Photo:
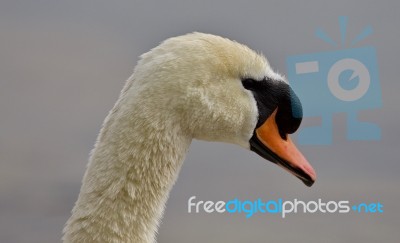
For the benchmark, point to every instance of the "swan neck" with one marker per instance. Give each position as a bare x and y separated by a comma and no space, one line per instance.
130,173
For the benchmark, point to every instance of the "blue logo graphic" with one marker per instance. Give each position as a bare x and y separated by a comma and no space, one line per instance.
345,80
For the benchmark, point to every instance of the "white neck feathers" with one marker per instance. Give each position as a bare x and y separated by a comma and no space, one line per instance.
130,173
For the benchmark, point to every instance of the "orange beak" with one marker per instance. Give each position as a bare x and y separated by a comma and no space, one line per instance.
268,143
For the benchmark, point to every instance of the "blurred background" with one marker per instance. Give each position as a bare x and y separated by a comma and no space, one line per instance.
63,64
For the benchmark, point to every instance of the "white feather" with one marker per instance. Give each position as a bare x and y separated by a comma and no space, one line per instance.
187,87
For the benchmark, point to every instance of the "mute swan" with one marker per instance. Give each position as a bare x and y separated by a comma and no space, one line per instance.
193,86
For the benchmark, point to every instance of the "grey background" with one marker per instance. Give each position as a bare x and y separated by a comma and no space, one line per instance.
63,63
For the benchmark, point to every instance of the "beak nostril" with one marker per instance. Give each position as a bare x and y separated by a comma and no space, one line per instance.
284,136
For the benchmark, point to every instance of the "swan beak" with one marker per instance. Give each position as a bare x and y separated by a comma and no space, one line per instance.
268,143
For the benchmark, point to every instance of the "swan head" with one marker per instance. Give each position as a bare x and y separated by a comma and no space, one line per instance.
216,89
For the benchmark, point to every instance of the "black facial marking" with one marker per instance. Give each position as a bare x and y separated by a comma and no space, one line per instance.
271,94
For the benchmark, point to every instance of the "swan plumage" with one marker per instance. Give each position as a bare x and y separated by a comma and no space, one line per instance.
188,87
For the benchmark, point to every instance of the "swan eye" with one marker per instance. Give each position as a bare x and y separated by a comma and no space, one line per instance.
253,84
249,83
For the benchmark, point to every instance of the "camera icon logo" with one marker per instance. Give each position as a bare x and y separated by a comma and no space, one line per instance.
345,80
359,70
